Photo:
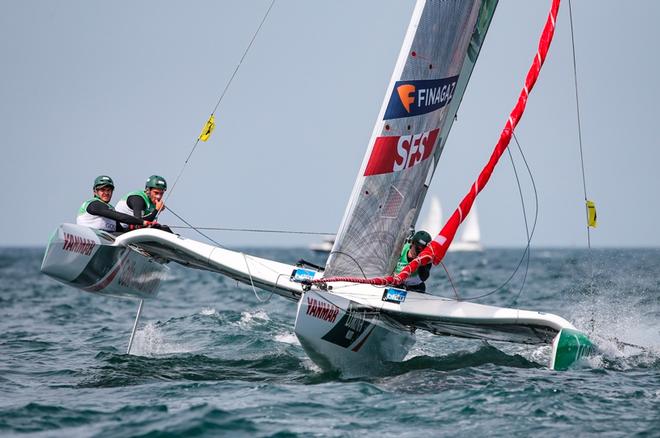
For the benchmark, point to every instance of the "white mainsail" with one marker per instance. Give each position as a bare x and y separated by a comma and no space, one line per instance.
438,54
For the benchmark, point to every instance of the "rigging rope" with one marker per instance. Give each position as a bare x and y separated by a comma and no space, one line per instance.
245,258
254,230
451,281
436,250
193,228
577,108
530,235
263,20
526,251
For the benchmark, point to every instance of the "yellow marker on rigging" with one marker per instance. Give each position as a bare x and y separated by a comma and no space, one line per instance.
591,214
208,129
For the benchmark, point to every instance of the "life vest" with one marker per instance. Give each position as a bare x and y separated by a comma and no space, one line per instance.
93,221
122,205
413,279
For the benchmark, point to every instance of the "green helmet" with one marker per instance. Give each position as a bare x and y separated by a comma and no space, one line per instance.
156,182
103,180
421,238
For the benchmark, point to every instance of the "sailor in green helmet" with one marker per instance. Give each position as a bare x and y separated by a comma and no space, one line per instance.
97,212
146,204
411,250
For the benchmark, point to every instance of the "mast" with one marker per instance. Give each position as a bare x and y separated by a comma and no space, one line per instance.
436,60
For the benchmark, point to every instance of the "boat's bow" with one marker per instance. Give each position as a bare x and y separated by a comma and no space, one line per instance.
93,261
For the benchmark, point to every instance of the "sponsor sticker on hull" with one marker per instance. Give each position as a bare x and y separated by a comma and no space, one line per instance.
321,310
396,153
414,98
77,244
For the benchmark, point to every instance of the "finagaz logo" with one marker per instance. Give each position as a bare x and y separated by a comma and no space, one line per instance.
413,98
407,95
393,154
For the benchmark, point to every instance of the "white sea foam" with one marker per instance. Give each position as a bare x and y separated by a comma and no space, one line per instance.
248,319
208,311
308,364
287,338
151,341
622,329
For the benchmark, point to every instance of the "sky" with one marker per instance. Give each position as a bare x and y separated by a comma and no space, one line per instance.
123,88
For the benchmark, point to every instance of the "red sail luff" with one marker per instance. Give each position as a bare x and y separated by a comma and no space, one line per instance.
436,250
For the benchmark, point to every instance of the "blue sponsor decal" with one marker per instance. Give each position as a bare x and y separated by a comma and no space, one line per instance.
413,98
395,295
302,275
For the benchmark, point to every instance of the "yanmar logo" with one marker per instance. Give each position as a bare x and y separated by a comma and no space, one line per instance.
413,98
321,310
78,244
393,154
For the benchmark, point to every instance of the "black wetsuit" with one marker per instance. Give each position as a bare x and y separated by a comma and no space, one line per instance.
100,208
137,204
424,273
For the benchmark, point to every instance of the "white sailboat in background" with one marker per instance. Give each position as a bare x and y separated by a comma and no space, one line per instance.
346,325
470,238
323,247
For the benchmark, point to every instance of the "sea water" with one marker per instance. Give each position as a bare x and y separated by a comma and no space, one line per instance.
211,358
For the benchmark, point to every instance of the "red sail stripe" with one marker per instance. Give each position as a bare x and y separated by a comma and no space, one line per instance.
436,250
396,153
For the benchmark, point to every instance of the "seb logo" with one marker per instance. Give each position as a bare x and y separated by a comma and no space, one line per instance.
412,98
392,154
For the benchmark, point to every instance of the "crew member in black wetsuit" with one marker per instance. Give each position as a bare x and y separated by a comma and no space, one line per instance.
408,253
146,204
98,213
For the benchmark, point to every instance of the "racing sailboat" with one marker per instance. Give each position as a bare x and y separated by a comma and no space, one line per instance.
353,315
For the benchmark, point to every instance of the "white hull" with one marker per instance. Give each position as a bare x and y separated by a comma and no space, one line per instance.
91,260
340,334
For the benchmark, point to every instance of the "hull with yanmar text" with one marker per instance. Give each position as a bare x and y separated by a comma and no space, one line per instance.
340,334
92,261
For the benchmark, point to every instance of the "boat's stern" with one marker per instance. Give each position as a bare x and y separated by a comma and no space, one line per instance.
87,259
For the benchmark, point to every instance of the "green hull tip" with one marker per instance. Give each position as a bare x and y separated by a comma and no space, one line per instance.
568,347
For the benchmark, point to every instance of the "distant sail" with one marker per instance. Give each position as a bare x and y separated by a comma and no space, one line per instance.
435,63
470,239
433,221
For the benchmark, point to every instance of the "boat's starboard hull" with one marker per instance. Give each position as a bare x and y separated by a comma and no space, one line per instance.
340,334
